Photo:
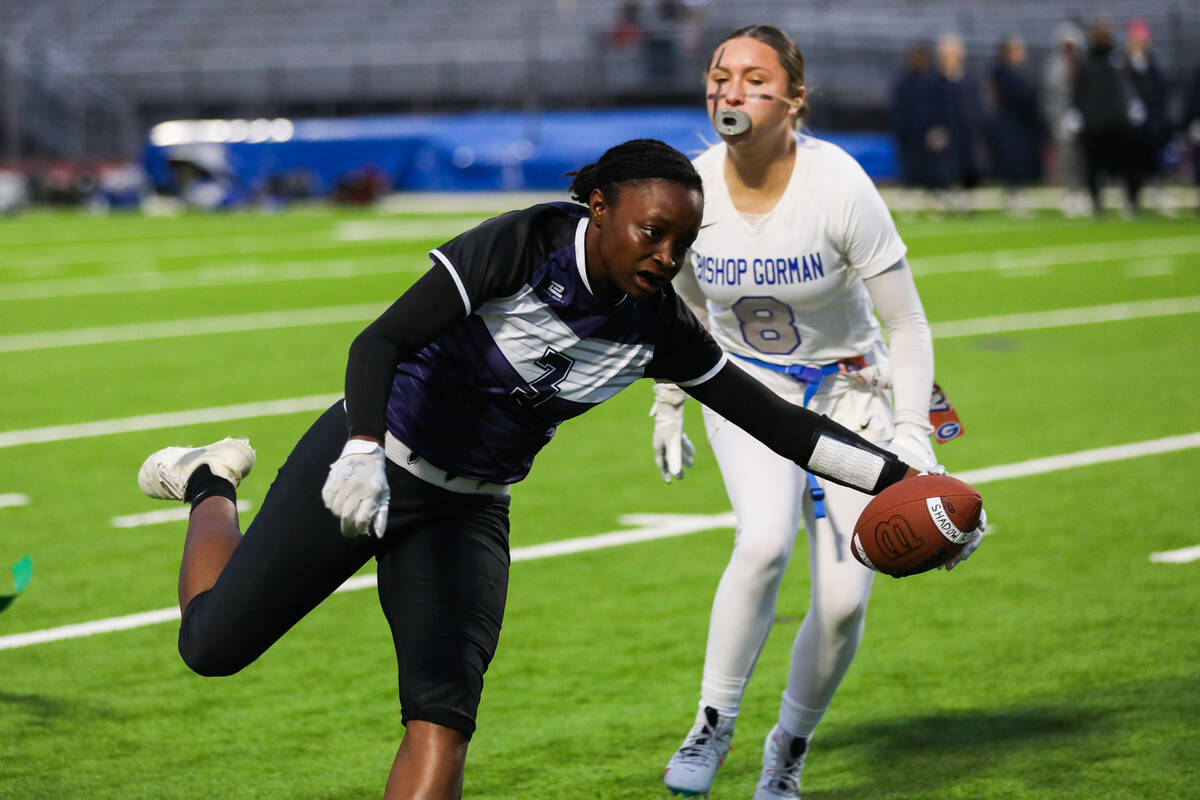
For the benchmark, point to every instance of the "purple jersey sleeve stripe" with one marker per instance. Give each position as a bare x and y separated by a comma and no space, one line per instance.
462,290
708,375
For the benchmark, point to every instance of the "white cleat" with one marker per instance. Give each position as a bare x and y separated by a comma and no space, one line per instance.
783,760
691,770
166,472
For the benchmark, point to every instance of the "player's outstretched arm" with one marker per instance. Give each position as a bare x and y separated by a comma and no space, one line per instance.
812,440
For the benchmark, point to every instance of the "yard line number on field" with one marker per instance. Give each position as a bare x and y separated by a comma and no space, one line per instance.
658,526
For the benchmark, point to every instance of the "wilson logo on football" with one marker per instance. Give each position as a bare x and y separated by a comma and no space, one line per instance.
896,537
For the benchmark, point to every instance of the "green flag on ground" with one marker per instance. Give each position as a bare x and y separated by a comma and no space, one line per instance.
22,573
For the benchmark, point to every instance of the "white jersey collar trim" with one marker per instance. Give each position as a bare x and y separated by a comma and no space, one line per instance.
581,253
581,258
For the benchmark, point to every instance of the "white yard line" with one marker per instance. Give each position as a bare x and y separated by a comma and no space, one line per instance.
1083,458
403,230
1065,317
232,323
326,315
649,527
917,229
1036,257
167,245
1031,260
162,516
943,330
207,277
11,500
1184,555
239,244
172,419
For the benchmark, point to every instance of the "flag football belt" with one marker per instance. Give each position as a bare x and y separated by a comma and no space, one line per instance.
943,417
811,377
416,465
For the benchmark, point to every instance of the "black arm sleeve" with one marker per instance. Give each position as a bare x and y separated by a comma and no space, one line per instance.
429,306
788,429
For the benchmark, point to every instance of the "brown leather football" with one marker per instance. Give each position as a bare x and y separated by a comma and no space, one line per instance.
915,525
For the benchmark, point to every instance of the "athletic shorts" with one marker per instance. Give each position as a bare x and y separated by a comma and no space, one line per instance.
442,569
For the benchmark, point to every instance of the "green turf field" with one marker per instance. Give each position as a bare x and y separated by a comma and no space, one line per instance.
1060,662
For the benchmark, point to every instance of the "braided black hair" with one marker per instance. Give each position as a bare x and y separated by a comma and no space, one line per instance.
630,162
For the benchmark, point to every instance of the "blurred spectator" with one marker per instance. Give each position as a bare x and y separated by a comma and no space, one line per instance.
961,110
119,185
1102,98
1148,109
691,37
14,192
934,117
907,126
661,47
1191,127
362,186
1016,129
626,30
1064,123
292,184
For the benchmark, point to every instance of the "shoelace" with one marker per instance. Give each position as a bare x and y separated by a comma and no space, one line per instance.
787,770
700,748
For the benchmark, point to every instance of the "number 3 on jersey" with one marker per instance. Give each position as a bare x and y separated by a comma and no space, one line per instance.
767,325
557,366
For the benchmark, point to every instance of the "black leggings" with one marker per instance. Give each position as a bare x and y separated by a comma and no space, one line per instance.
442,569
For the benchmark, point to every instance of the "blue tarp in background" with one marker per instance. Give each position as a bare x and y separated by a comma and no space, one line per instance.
482,151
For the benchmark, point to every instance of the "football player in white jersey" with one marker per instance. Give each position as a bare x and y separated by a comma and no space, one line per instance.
796,256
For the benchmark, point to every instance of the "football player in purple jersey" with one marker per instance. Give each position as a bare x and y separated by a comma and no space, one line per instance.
521,323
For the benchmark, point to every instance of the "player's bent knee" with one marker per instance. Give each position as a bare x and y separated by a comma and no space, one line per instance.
844,618
208,660
765,559
205,649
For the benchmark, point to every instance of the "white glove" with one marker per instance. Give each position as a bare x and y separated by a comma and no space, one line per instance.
972,544
672,449
911,443
357,490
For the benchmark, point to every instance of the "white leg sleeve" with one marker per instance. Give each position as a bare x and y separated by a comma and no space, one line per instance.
833,627
765,490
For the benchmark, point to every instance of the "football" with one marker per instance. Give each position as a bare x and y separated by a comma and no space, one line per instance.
915,525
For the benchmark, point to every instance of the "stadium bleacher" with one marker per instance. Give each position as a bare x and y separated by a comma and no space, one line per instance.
138,62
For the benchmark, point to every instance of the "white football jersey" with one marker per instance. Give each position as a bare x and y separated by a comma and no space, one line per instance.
788,288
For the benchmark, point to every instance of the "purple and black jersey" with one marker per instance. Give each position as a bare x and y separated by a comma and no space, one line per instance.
537,347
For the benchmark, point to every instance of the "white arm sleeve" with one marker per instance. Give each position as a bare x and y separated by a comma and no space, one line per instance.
909,339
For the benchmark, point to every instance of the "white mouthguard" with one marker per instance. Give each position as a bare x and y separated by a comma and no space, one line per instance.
731,122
